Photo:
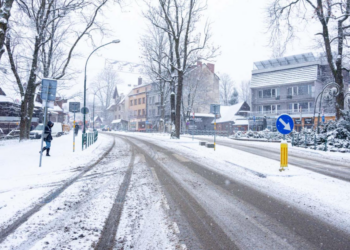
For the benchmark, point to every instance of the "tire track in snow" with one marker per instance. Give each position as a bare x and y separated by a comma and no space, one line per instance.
22,219
107,238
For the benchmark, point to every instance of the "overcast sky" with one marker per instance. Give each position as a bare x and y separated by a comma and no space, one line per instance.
238,27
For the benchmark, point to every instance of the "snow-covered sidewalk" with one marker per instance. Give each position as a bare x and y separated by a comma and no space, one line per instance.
23,183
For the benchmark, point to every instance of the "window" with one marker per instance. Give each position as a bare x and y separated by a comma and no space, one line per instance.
268,93
304,106
118,116
299,90
139,111
260,109
135,102
143,100
135,112
130,102
303,90
143,112
139,100
137,91
120,108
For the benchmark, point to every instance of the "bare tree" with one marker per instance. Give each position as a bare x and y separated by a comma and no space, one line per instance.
5,12
104,89
333,17
155,46
178,19
244,91
226,88
46,24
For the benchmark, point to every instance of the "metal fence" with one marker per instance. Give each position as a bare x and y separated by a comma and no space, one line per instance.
207,132
89,139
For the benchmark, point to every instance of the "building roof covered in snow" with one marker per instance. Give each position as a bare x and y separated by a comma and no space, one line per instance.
233,113
285,70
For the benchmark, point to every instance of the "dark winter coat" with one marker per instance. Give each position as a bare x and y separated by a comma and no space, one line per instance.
47,134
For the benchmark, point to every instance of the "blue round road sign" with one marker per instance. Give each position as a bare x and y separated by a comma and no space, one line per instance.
284,124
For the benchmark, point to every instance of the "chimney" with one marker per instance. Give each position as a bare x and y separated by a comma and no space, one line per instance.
140,81
211,67
199,64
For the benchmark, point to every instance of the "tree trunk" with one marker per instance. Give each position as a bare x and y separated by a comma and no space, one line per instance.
5,12
178,104
172,108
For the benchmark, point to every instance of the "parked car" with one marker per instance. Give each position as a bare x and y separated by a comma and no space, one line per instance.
37,132
13,134
105,128
55,131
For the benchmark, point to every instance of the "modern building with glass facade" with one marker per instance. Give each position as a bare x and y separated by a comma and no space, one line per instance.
289,85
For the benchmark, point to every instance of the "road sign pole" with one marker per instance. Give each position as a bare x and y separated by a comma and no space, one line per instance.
74,133
43,133
215,133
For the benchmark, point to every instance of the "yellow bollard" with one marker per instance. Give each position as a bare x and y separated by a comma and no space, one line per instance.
284,155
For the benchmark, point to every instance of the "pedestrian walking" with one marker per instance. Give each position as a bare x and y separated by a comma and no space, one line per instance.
76,129
47,138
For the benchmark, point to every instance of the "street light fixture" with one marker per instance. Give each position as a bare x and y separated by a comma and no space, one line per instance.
87,60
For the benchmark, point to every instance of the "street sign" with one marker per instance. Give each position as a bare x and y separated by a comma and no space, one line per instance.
254,118
323,119
215,109
84,110
74,107
308,121
284,124
48,89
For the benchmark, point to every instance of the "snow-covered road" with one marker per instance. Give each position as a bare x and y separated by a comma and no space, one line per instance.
151,192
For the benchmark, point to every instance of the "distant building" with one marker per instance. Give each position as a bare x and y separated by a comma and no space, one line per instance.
120,114
201,88
233,118
289,85
10,113
137,106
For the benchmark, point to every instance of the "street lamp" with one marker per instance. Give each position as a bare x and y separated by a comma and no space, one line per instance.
114,41
333,92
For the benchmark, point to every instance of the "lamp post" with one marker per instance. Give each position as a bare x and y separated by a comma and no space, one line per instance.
87,60
334,91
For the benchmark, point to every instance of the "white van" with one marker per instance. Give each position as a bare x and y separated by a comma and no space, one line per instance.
56,130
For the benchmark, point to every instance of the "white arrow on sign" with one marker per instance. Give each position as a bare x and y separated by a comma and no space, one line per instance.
286,125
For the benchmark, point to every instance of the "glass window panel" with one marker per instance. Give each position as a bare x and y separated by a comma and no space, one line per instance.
311,105
295,106
267,93
304,106
273,92
267,108
290,91
260,94
295,90
290,107
303,90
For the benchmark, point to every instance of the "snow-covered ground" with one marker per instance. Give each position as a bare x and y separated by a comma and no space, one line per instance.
23,183
322,196
75,219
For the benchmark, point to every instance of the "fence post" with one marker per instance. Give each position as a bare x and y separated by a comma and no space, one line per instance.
325,145
305,140
293,140
315,142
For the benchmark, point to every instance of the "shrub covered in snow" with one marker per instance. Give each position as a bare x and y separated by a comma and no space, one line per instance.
334,136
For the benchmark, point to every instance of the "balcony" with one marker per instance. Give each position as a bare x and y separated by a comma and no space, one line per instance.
280,112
